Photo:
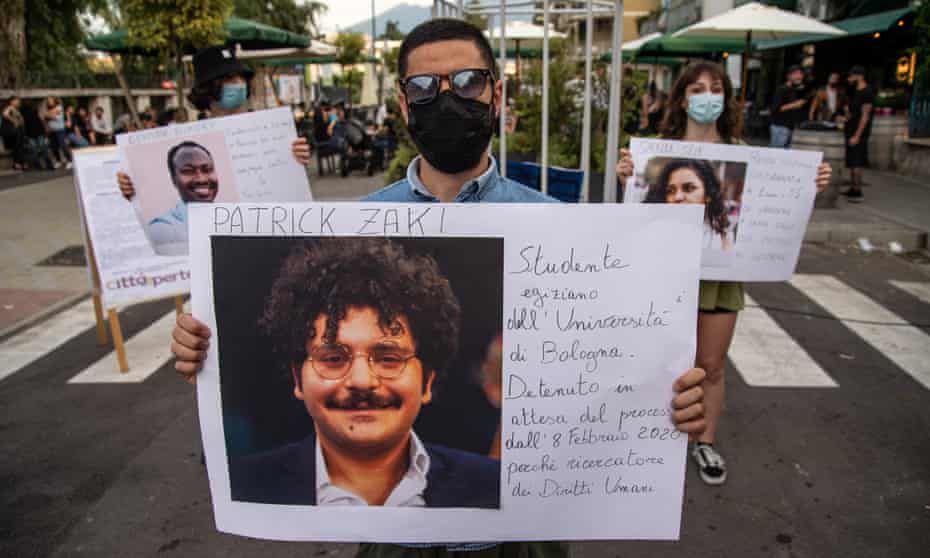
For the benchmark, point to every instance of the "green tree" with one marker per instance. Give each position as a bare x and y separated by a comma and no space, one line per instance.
350,49
172,27
53,33
12,43
390,59
290,15
392,31
479,21
351,79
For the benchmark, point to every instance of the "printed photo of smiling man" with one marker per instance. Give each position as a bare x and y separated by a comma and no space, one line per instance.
366,333
173,173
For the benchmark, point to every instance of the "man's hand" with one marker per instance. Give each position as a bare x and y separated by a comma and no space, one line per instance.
855,140
301,150
190,344
688,404
125,185
624,166
824,173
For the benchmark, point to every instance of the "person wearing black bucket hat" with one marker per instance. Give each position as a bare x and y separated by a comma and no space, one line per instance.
221,88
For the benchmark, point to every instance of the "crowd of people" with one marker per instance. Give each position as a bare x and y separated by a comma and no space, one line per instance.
40,134
361,139
832,106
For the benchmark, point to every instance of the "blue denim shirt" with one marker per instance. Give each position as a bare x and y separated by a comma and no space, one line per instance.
490,187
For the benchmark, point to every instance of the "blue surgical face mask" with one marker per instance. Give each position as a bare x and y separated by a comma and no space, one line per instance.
233,96
705,108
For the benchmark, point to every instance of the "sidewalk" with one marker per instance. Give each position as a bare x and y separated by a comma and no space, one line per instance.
39,219
896,208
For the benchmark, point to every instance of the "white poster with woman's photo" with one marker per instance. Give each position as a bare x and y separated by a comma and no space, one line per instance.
757,201
245,157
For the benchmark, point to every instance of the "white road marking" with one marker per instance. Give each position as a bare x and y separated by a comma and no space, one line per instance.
146,352
916,289
27,346
767,356
905,345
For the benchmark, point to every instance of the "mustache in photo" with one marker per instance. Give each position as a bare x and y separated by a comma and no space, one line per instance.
363,399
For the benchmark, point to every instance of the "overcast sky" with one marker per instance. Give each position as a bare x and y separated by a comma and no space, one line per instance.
343,13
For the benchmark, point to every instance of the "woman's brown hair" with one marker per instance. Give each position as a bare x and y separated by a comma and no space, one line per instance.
730,123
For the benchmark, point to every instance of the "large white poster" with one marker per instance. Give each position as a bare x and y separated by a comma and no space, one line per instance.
445,373
246,157
129,270
758,201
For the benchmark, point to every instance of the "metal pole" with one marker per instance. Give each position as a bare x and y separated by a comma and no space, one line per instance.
586,126
613,115
461,6
374,33
503,100
433,11
544,171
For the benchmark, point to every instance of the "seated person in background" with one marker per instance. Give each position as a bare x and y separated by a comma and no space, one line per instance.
102,128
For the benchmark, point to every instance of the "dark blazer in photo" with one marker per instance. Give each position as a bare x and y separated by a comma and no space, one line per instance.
287,475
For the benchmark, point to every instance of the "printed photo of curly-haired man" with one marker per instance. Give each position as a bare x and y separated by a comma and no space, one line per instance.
352,369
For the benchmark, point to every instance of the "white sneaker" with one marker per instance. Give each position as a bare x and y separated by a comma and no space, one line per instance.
69,165
711,466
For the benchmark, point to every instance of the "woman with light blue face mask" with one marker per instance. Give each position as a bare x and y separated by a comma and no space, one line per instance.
221,88
702,108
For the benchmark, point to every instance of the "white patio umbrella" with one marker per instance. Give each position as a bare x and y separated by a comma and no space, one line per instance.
756,21
523,31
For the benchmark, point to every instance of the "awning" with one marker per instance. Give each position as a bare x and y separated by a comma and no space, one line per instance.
629,57
314,60
249,34
857,26
666,45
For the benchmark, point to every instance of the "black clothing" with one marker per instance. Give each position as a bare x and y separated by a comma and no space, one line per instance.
788,118
858,100
857,156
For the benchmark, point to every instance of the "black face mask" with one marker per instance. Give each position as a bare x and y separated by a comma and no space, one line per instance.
450,132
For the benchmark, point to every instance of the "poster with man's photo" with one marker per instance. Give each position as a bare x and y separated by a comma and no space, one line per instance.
445,372
757,201
129,271
245,157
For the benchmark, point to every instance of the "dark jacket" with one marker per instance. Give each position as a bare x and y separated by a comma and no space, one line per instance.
287,475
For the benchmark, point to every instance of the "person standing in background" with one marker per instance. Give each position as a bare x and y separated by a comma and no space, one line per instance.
788,108
14,138
857,131
829,102
37,145
58,131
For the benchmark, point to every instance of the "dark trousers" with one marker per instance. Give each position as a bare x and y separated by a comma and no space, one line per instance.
59,145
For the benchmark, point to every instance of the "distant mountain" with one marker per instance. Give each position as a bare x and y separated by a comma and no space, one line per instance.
407,17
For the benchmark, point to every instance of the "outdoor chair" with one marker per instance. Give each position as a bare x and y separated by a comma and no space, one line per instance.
564,184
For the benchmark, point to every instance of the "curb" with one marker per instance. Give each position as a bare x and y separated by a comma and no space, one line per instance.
42,315
911,240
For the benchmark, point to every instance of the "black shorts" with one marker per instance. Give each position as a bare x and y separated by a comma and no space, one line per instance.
857,156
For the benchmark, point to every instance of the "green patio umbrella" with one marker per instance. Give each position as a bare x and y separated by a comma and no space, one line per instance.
250,35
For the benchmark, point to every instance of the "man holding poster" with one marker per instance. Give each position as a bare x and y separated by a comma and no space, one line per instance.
449,98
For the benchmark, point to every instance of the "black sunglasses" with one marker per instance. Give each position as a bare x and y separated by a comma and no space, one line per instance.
467,84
